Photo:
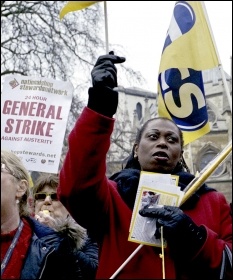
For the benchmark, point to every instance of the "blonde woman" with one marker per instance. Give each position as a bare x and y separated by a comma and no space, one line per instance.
29,250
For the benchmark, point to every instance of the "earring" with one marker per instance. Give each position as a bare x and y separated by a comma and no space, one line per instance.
135,156
17,201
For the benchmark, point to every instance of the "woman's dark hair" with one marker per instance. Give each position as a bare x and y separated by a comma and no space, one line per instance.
134,163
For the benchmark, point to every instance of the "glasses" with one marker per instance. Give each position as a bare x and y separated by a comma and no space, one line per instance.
42,196
4,169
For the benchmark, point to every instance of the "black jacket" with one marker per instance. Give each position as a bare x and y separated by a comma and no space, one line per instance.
52,256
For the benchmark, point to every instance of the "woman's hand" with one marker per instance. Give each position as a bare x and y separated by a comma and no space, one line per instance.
45,218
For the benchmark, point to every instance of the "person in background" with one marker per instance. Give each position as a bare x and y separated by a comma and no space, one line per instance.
29,250
198,234
50,211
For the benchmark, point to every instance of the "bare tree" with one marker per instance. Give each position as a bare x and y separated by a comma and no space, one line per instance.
76,107
35,42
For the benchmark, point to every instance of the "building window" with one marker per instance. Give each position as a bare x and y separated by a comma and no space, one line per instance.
205,156
139,110
212,116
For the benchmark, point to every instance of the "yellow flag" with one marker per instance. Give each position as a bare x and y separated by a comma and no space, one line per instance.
189,42
72,6
188,49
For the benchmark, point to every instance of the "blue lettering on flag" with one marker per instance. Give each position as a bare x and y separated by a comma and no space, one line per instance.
184,98
182,21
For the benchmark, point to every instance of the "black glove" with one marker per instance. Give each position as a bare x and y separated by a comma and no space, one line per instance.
104,72
102,98
184,237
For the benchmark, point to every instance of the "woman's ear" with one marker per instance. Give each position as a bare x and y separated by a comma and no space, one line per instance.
22,187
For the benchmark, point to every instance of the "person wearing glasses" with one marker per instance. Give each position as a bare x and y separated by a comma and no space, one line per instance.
51,212
29,249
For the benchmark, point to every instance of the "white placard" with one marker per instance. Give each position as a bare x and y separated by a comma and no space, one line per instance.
154,190
34,113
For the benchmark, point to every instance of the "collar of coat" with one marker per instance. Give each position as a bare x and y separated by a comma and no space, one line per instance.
67,228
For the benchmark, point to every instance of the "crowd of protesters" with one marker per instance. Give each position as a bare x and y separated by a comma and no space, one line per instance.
78,224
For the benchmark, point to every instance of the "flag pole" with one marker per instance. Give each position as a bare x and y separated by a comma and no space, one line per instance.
106,26
197,182
220,63
192,187
125,263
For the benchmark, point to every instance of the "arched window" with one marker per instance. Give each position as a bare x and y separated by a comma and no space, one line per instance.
139,110
205,156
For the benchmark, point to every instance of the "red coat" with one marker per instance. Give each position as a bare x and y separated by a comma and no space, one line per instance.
95,203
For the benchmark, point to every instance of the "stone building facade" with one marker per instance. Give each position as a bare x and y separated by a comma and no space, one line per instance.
137,105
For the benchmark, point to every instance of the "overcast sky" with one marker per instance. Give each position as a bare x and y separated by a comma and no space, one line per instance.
140,27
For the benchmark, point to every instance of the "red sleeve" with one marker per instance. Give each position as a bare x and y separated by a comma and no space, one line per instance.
213,212
83,186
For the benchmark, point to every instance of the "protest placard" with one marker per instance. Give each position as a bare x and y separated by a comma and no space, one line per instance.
154,190
34,113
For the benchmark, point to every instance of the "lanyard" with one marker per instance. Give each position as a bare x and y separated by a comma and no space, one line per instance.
11,248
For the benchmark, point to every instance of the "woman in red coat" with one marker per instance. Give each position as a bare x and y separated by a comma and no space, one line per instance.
198,234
